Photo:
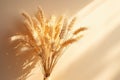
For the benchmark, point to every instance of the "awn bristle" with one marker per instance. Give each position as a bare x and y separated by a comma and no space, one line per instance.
68,42
71,24
79,30
64,28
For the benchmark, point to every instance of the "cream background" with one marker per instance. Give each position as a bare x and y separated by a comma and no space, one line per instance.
94,57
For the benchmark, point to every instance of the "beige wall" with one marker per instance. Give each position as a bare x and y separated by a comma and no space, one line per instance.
95,57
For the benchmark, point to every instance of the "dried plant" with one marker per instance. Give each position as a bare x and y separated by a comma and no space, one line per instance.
47,37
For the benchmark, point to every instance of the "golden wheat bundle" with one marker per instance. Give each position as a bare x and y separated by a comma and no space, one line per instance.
48,38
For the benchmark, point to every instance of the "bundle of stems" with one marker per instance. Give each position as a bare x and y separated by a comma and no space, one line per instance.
48,38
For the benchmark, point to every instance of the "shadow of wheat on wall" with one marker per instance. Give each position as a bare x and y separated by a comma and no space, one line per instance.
47,38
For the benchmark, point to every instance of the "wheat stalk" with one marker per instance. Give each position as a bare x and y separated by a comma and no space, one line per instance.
47,38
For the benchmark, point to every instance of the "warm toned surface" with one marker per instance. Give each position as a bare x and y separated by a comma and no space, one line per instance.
95,57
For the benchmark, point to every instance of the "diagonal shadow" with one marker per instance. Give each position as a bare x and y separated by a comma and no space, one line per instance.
14,67
90,64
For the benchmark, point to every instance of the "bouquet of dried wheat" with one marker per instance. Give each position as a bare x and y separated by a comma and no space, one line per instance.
48,38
